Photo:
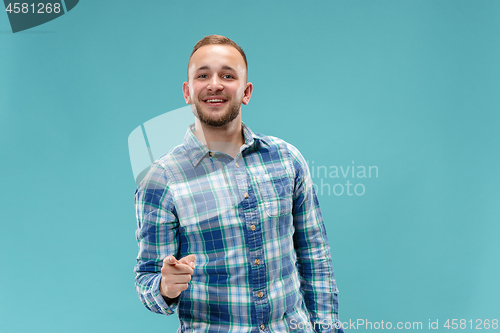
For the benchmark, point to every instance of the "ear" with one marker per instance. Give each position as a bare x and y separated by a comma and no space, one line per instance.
185,92
248,93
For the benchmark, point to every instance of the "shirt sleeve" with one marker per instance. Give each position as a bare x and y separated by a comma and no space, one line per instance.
314,261
157,237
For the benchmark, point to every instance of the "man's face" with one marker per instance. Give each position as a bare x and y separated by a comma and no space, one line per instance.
217,85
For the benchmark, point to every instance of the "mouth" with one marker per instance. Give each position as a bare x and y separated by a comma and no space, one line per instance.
215,101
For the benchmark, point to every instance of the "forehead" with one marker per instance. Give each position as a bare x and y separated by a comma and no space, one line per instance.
216,57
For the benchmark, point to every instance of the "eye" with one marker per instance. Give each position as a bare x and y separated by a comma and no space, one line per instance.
228,76
202,76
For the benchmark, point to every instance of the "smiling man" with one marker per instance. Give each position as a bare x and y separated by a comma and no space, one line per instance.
217,100
230,231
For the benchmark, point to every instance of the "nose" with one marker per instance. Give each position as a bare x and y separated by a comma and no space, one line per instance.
215,84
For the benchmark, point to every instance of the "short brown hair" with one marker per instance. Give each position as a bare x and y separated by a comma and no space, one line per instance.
221,40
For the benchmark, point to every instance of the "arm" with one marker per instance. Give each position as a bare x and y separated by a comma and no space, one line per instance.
157,237
314,261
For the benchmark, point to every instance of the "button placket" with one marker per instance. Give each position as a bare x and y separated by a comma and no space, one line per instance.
250,204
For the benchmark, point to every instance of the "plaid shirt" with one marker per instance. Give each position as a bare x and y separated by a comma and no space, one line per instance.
253,222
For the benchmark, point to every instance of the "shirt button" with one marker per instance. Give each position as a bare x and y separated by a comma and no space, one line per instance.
212,154
252,227
262,326
257,261
237,165
260,294
246,195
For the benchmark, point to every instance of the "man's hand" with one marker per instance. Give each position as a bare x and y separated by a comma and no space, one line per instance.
175,275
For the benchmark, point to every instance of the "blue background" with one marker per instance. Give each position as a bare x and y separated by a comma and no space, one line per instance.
411,87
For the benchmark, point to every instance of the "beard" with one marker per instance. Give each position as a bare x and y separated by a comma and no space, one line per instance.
228,116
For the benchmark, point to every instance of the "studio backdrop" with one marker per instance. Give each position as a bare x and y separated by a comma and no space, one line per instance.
394,104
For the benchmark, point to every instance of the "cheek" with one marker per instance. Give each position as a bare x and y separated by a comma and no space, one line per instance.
194,91
240,91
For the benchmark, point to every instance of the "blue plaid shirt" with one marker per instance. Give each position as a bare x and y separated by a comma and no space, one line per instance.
253,222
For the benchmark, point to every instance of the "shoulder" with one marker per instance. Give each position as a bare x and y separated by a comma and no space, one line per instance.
286,150
175,155
164,170
275,142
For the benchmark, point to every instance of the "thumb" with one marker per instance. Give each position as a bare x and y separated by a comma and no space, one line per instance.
189,260
170,260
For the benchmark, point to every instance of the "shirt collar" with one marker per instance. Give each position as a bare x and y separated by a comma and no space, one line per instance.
196,150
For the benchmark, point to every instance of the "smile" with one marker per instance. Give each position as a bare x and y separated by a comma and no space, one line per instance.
215,100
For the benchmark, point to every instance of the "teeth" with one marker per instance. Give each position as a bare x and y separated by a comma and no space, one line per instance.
214,100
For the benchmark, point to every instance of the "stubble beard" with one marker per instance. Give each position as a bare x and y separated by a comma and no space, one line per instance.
204,117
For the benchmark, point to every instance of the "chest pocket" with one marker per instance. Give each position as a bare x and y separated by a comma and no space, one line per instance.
275,191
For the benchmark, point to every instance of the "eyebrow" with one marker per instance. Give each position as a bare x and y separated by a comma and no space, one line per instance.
225,67
228,68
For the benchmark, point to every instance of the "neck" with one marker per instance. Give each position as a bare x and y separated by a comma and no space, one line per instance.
227,139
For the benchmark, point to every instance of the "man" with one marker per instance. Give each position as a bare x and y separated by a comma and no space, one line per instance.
229,229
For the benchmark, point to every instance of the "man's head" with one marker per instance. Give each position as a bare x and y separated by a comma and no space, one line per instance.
217,81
